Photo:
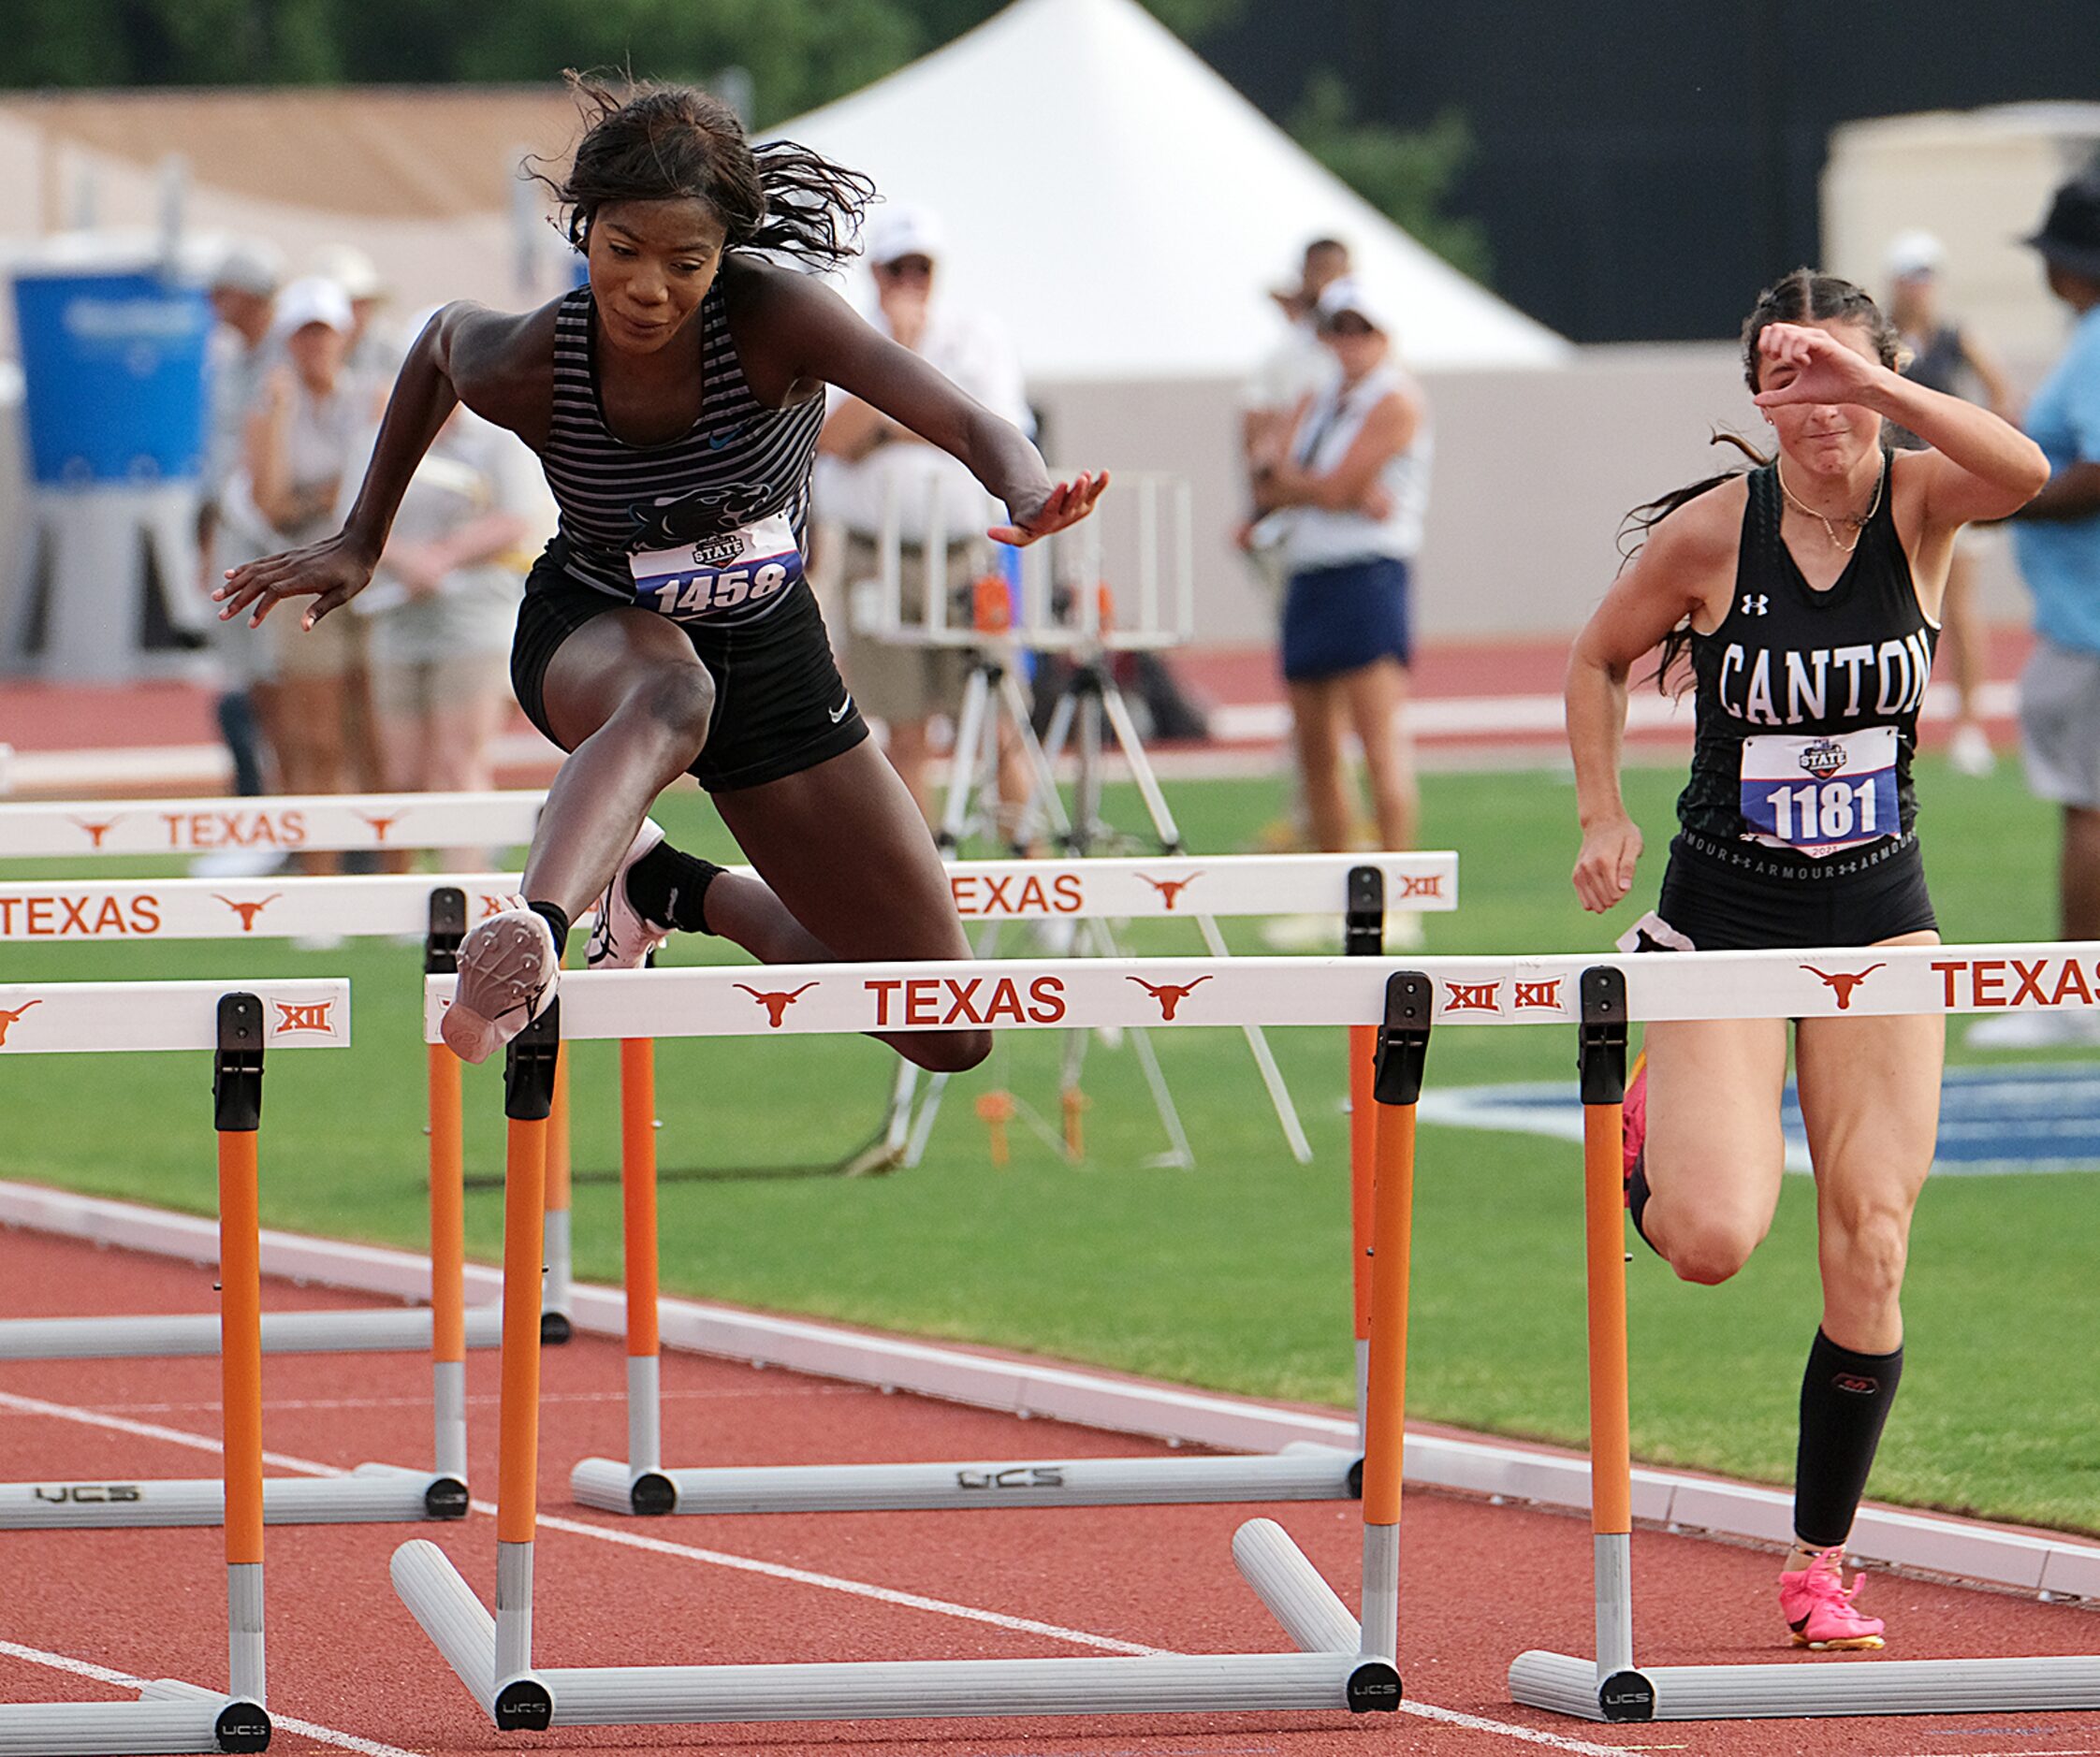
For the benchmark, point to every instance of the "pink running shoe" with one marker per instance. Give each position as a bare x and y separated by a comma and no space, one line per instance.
620,938
507,970
1634,1119
1817,1606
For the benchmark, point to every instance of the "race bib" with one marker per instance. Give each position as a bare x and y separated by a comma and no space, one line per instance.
1818,795
717,575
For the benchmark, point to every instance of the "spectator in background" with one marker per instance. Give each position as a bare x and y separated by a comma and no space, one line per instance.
873,462
1943,355
243,293
440,608
1348,489
1293,372
2056,538
374,353
300,428
1291,375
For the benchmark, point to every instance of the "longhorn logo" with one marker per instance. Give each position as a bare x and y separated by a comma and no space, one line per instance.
7,1017
1169,890
381,825
1169,995
305,1016
777,1004
97,831
1844,982
247,912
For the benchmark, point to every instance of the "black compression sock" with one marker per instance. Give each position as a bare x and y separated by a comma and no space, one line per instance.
670,889
1845,1401
557,919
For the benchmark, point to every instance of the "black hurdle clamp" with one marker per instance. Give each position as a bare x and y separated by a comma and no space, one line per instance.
1403,1037
236,1066
529,1068
448,927
1364,914
1602,1058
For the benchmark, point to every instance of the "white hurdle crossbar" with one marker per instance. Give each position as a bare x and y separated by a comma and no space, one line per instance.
1342,1663
1601,994
237,1022
1353,887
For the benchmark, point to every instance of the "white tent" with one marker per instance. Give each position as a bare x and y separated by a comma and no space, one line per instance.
1122,209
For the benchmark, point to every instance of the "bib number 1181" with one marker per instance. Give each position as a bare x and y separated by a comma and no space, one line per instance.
1829,811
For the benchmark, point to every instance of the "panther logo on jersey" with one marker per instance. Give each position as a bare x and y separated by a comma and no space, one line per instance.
682,518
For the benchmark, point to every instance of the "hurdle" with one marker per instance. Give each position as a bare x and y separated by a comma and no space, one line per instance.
1342,1662
1354,887
318,1011
237,1024
1609,1687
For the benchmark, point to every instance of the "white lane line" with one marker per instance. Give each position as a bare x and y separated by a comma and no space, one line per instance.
479,1399
799,1577
282,1722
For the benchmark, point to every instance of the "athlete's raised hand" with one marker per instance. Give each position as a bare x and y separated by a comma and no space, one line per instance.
332,572
1067,503
1803,364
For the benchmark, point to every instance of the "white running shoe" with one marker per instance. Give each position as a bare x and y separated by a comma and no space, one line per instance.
508,967
620,939
1969,753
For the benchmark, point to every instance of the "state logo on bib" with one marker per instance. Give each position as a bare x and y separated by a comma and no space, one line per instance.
739,570
1821,795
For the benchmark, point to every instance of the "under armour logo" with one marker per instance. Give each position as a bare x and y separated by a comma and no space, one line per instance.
1753,603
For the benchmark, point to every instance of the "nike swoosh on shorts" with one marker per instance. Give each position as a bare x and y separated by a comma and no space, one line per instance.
844,709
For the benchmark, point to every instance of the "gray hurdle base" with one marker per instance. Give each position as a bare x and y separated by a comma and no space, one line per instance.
168,1716
370,1494
405,1331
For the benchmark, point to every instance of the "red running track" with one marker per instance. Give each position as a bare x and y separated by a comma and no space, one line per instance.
1479,1582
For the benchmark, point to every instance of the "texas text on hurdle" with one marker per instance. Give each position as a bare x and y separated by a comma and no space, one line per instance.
237,1022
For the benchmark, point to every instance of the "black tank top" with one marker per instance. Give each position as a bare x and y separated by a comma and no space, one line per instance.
1806,701
741,468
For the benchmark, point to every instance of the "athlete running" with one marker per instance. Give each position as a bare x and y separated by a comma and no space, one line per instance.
1805,594
675,401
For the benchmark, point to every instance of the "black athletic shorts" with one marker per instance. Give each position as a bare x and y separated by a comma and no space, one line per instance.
1744,897
781,706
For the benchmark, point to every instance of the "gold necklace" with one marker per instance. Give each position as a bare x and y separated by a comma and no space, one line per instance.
1858,521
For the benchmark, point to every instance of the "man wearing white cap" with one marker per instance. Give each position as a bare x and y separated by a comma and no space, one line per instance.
873,462
374,354
1944,357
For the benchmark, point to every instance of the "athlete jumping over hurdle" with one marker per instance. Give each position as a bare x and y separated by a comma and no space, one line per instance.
1806,595
674,402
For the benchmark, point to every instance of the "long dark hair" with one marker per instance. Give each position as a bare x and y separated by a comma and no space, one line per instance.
1802,297
666,143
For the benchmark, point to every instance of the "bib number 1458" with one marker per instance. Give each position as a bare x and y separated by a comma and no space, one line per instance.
705,591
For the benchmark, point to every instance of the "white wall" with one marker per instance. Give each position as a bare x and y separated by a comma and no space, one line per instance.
1534,472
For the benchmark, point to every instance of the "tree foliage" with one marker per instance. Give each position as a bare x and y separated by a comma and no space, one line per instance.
1407,174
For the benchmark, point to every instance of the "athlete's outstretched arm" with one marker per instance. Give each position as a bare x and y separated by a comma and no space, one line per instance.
820,340
464,354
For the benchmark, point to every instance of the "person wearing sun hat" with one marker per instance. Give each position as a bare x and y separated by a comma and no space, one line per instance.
2056,537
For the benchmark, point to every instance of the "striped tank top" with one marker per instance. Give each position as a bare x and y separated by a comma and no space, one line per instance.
705,528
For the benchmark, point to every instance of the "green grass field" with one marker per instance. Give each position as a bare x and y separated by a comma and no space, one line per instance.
1232,1276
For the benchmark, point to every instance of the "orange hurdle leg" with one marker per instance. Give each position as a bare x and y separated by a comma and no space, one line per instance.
637,1184
236,1106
